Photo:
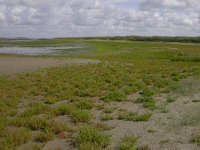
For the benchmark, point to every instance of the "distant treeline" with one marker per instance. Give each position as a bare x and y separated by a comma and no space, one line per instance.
152,39
149,38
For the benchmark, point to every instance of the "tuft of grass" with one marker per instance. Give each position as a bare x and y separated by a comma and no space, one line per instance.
133,116
35,110
37,123
196,100
164,110
100,106
83,116
151,130
90,138
44,136
115,96
148,92
186,58
190,117
85,104
63,110
18,137
78,115
51,101
104,127
109,110
171,99
106,117
188,87
196,139
2,125
58,127
148,102
128,143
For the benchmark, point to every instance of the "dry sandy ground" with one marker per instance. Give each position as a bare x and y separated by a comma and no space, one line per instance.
12,65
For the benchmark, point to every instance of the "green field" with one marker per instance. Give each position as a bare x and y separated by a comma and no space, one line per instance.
140,96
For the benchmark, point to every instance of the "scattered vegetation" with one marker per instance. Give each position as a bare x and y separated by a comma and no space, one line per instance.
148,68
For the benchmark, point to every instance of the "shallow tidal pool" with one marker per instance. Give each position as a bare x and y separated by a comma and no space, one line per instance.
44,50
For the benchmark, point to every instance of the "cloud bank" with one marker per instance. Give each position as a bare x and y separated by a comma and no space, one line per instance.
62,18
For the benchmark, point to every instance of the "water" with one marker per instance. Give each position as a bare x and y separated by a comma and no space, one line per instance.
43,50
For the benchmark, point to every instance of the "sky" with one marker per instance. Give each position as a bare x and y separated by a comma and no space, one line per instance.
78,18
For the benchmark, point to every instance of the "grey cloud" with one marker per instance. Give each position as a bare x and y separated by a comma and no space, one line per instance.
159,4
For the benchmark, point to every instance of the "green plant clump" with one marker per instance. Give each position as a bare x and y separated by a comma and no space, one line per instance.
91,138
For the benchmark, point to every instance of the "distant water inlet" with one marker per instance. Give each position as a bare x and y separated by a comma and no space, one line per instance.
45,50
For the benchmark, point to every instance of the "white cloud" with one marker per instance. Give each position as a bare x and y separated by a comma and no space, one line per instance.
49,18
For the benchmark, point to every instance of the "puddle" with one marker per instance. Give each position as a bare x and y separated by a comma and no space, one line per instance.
44,50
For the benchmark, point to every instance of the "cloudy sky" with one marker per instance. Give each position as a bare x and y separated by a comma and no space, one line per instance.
63,18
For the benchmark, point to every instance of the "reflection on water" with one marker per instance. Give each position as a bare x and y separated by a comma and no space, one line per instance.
44,50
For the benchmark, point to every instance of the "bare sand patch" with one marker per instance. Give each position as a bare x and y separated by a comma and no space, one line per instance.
12,65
